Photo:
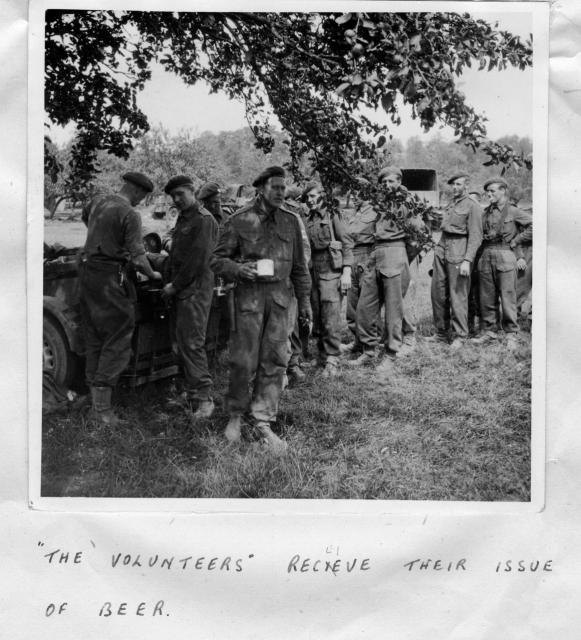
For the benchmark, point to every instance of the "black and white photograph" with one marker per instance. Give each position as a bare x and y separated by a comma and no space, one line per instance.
289,254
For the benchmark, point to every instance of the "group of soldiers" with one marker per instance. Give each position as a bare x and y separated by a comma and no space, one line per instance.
289,266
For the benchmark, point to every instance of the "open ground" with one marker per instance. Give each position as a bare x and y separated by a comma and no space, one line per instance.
445,426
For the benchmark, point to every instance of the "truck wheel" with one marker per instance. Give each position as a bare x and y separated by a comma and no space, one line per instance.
57,357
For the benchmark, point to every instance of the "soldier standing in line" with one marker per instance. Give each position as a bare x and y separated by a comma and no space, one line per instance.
107,295
361,230
299,336
210,196
261,249
331,257
454,257
190,289
505,230
386,278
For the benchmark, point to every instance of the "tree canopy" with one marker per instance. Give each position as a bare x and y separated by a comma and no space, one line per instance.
313,71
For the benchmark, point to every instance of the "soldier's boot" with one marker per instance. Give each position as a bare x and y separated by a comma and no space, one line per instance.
457,343
487,336
204,411
296,374
352,347
366,358
101,412
233,430
438,338
270,439
330,370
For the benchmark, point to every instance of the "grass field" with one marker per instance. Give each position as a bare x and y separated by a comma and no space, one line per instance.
445,426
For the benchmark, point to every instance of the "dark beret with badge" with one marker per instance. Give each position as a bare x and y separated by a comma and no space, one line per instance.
269,172
139,180
178,181
499,181
389,171
457,176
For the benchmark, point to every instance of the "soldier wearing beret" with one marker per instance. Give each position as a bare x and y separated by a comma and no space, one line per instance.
261,249
506,229
210,195
107,295
331,258
190,289
454,258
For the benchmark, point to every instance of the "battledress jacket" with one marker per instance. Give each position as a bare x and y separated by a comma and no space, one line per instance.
252,234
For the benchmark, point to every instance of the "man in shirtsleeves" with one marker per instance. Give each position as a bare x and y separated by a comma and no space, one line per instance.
453,262
331,280
386,279
190,289
505,230
107,295
261,249
361,230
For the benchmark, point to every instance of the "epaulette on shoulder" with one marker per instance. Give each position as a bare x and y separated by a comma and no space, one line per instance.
242,209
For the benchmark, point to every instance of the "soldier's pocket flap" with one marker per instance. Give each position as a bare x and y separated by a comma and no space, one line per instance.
506,261
250,235
247,298
283,235
329,287
282,297
391,263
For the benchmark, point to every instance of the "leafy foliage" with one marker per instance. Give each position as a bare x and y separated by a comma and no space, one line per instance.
313,71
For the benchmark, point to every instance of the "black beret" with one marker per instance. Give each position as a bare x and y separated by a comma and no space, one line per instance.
389,171
501,181
456,176
207,190
269,172
178,181
139,179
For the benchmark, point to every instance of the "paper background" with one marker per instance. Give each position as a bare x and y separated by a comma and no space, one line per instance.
264,600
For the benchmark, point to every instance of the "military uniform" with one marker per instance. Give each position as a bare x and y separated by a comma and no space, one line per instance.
361,230
322,229
461,236
193,240
386,279
505,231
259,341
107,295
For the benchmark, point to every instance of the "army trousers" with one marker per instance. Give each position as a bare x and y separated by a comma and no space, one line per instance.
361,255
524,283
259,350
298,338
326,303
189,320
108,321
386,278
449,294
497,273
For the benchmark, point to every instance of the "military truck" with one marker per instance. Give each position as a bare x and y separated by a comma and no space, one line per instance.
63,347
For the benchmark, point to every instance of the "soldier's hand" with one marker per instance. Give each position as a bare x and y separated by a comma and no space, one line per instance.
521,264
248,271
345,282
168,291
156,275
305,312
465,268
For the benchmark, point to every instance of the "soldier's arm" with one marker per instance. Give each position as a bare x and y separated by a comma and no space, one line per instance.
133,242
524,221
345,238
300,277
474,231
199,257
222,261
